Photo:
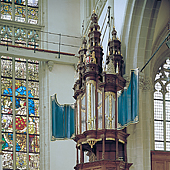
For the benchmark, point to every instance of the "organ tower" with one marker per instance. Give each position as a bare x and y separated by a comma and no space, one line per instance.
98,137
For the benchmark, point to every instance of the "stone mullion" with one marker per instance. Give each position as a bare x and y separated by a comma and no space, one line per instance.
39,11
164,120
13,35
26,12
26,38
27,112
152,142
13,10
13,113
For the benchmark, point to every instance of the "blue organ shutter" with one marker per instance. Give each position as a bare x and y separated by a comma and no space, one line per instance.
128,102
63,125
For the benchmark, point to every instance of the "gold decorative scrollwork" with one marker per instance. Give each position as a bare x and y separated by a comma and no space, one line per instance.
92,142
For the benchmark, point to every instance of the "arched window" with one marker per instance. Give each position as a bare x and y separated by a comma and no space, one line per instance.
162,107
20,87
20,113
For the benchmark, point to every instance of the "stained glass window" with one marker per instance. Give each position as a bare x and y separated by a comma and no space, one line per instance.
6,9
162,107
24,10
21,37
20,113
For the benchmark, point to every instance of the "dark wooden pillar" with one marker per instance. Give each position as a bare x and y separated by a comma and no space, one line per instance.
103,109
117,147
81,154
103,147
125,151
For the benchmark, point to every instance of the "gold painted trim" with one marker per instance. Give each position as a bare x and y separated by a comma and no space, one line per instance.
110,93
121,141
110,139
91,82
99,91
92,141
93,56
84,142
82,96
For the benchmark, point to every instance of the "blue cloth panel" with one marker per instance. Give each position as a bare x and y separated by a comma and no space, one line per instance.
128,102
63,125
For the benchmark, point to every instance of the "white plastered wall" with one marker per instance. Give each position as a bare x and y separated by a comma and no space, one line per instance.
61,80
59,17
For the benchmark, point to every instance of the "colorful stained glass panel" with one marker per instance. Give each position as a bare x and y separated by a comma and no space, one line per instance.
20,41
6,123
33,124
6,39
19,13
21,124
7,160
21,2
23,113
32,15
8,141
33,89
6,104
33,107
20,106
21,160
34,162
20,88
21,142
33,71
6,11
34,143
20,70
6,68
6,86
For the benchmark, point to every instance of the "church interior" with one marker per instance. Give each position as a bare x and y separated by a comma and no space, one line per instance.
83,54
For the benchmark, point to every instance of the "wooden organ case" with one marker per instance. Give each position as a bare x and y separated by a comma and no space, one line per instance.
95,92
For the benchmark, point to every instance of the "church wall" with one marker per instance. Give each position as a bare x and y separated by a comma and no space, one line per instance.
59,17
61,80
64,18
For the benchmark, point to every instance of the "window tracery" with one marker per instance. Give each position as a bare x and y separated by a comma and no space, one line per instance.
161,107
